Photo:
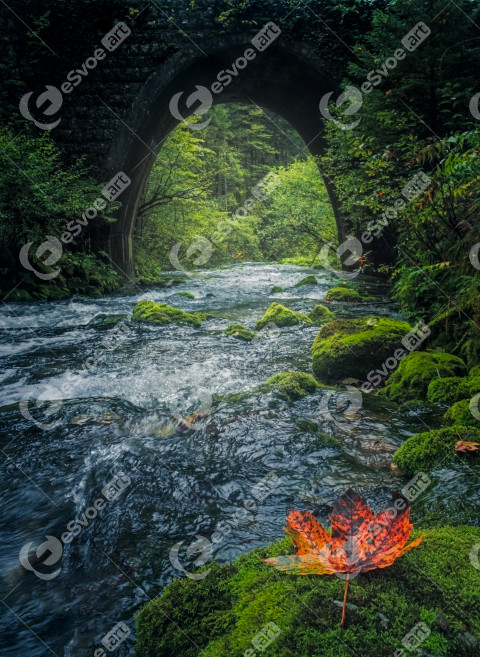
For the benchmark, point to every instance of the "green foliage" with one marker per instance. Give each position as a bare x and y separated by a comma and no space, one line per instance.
221,614
276,289
351,347
431,449
240,332
293,385
281,316
419,369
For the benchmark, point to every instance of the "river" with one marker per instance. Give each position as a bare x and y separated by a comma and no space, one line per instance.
124,417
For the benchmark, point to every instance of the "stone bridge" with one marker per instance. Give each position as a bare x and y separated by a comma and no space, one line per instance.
117,114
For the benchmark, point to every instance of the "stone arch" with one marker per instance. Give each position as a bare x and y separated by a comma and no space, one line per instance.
283,78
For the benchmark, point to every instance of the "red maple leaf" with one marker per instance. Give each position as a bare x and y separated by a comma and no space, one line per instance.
359,540
466,446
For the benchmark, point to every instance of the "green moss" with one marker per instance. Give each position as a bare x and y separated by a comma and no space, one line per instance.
204,316
294,385
188,295
320,315
415,372
103,320
343,294
276,289
475,371
161,314
281,316
239,331
221,614
425,451
326,440
460,414
352,347
308,280
452,389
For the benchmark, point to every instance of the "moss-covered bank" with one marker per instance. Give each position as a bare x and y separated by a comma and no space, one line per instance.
430,449
415,372
221,614
352,347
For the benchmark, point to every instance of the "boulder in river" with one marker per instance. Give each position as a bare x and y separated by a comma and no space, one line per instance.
308,280
321,315
240,332
281,316
151,312
419,369
294,385
276,289
353,347
347,295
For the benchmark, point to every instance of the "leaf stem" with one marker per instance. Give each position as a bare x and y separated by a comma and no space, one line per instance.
344,603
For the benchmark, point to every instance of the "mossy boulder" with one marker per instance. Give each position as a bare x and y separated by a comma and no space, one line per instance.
293,385
161,314
221,614
240,332
452,389
427,450
417,370
320,315
352,347
308,280
104,320
276,289
346,294
281,316
187,295
475,371
460,414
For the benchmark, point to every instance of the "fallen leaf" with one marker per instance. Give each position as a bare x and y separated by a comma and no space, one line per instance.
358,541
466,446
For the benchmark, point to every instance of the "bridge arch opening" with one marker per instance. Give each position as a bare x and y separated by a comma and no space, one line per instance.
281,79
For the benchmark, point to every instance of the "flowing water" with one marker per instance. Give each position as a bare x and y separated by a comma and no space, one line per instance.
90,417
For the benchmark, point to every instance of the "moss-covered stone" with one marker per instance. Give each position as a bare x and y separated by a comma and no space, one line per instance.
240,332
276,289
352,347
415,372
209,294
452,389
346,294
221,614
188,295
425,451
293,385
320,315
151,312
308,280
103,320
460,414
281,316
